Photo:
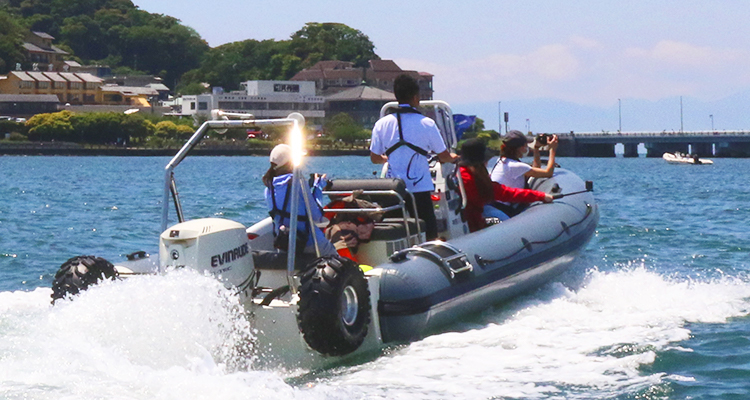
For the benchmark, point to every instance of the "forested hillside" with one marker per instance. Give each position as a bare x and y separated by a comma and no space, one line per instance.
131,40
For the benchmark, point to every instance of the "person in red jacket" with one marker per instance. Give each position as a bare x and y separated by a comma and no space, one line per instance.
481,190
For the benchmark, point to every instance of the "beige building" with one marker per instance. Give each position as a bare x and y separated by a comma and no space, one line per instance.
126,95
73,88
43,55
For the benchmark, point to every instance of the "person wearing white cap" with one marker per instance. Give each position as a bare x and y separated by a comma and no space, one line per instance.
278,180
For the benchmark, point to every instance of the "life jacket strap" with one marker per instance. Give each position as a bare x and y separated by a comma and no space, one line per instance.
401,142
282,211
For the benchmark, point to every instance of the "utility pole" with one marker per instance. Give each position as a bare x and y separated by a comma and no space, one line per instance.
712,122
499,118
681,126
619,108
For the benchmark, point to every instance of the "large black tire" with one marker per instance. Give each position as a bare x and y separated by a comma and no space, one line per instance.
334,306
80,272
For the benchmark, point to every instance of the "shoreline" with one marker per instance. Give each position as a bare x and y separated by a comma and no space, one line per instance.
74,149
71,150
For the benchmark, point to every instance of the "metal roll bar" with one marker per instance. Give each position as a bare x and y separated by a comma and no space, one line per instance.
194,140
296,120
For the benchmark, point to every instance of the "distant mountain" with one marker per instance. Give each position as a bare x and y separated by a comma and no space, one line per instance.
550,115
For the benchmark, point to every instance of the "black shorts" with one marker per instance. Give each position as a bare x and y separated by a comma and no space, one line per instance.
426,212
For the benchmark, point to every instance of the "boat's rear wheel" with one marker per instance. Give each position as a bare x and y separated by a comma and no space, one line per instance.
80,272
334,306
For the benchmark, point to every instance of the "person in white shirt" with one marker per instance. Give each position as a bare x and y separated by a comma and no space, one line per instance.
510,171
404,139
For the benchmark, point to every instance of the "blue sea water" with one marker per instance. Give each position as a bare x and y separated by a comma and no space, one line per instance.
657,306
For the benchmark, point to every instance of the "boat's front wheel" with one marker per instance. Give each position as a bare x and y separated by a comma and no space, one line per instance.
80,272
334,306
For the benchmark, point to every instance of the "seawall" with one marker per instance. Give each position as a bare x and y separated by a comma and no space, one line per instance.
47,149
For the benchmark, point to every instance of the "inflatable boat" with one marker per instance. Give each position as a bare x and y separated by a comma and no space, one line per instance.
682,158
312,311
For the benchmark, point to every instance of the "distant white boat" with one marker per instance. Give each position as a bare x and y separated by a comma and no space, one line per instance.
682,158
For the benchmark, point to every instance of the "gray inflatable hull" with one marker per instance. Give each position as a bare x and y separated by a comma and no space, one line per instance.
418,296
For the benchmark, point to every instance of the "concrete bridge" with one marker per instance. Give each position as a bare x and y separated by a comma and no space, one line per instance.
703,143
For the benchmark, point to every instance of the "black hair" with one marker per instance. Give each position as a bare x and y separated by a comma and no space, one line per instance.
274,172
513,141
405,88
473,158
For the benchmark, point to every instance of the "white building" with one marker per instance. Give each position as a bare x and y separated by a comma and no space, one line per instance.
263,99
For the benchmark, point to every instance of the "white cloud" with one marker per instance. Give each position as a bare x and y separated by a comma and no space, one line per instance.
589,72
679,54
519,75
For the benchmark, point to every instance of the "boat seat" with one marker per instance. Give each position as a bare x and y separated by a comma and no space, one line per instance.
393,229
383,200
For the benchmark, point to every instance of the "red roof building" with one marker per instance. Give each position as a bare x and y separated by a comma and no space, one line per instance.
331,77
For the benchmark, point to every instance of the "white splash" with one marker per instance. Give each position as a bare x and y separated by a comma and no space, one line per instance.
181,336
178,336
585,344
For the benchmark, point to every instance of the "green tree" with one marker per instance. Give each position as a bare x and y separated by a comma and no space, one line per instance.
115,31
343,127
13,126
191,88
477,127
54,126
99,128
166,130
11,42
332,41
137,128
229,64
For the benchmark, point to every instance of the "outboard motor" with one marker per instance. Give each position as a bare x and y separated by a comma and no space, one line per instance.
214,245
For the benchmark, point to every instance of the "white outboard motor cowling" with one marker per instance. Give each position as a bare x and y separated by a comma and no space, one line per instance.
210,245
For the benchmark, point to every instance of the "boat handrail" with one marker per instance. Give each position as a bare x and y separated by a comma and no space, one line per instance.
444,262
461,188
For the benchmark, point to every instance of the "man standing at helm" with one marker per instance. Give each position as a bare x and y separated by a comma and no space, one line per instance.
404,139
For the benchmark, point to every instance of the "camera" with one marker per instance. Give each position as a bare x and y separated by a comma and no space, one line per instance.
543,138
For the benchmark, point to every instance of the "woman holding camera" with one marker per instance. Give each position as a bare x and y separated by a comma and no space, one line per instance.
511,172
481,191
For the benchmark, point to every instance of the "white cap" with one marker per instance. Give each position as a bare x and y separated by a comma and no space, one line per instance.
281,155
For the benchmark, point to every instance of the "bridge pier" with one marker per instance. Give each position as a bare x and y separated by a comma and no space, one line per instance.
702,149
732,149
595,150
567,146
658,149
631,150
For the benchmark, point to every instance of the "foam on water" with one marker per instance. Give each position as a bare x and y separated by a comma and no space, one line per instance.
558,343
180,336
177,336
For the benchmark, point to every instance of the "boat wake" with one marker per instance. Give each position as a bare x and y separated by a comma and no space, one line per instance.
181,336
561,344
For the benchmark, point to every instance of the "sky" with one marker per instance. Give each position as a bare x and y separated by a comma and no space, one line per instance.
554,66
